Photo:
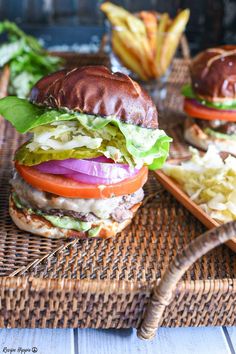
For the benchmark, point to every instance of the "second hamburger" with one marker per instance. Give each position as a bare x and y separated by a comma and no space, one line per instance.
210,100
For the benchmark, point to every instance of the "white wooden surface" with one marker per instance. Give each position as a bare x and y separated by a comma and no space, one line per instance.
209,340
40,341
231,334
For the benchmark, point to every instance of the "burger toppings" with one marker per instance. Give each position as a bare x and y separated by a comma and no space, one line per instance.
58,135
195,109
89,171
83,209
188,92
67,187
218,125
217,128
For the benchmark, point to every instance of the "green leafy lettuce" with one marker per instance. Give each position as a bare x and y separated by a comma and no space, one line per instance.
187,91
64,222
219,135
53,137
27,59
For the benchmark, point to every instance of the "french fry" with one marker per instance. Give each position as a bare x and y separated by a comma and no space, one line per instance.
117,15
126,56
150,22
141,41
145,43
172,38
132,34
134,47
161,30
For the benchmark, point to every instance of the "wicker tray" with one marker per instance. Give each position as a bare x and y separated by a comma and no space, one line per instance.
104,284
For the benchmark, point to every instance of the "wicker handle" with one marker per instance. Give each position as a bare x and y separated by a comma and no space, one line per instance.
163,292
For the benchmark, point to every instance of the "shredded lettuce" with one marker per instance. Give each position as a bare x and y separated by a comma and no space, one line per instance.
210,182
62,136
187,91
53,135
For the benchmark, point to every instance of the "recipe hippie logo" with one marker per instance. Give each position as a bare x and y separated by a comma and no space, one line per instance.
19,350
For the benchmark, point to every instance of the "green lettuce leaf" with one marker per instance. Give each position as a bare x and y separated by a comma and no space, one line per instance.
133,141
19,112
187,91
220,135
64,222
25,116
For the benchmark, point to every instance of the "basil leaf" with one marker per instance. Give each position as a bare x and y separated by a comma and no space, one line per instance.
27,59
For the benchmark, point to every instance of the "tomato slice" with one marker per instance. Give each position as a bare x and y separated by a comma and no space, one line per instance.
197,110
68,188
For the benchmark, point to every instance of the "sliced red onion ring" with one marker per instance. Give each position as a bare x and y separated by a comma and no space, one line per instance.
90,167
101,159
83,178
99,169
52,167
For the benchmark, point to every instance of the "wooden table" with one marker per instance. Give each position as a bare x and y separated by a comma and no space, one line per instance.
211,340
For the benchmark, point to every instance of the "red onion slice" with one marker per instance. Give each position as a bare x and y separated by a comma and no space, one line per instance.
101,159
52,167
83,178
91,167
99,169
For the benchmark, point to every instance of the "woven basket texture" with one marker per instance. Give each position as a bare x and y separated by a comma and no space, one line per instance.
107,283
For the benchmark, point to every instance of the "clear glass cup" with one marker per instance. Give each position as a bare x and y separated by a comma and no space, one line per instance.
156,83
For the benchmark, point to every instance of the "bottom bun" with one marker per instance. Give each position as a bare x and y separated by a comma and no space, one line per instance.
194,135
38,225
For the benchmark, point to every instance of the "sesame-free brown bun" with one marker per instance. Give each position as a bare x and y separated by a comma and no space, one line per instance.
97,91
213,74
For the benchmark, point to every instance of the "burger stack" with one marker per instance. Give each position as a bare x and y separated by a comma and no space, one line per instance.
94,135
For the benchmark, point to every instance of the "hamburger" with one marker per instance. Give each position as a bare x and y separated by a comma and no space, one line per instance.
94,134
210,100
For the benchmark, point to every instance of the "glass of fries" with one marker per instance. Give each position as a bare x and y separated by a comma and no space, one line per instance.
144,44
